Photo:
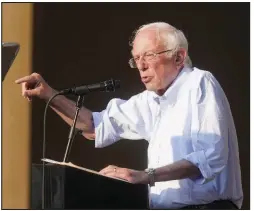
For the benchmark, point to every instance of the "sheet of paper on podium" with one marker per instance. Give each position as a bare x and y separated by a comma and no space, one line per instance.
79,167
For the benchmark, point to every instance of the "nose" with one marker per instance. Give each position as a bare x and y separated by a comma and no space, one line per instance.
142,65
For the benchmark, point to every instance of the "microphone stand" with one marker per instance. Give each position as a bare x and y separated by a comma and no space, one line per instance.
79,104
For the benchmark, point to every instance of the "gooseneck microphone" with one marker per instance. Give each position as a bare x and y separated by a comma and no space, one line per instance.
106,86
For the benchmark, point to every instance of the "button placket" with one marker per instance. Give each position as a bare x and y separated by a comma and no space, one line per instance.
163,106
153,151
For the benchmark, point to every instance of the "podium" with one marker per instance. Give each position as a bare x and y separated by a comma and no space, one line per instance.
74,187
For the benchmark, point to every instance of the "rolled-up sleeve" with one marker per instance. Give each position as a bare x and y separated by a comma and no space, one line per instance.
120,120
105,133
209,130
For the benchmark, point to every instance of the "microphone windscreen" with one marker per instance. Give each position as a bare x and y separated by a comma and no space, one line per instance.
117,84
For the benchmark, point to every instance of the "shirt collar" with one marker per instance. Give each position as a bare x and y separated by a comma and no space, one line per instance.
172,92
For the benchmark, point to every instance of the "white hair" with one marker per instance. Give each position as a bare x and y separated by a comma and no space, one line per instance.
171,36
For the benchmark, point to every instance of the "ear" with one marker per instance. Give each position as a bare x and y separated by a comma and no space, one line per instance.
180,57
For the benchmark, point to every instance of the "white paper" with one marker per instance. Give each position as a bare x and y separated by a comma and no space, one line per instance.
78,167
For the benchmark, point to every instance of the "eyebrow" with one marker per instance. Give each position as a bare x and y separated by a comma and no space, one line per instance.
152,51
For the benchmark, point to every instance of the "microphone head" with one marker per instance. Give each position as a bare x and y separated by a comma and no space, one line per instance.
117,84
111,85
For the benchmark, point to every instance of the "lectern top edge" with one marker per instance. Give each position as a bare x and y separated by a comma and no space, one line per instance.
69,164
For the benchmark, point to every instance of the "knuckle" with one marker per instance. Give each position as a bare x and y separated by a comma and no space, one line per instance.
33,75
36,75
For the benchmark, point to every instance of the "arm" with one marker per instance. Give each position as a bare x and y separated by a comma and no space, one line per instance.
35,86
178,170
122,119
209,135
66,109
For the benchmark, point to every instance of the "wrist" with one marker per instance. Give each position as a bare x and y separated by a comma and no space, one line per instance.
49,94
151,176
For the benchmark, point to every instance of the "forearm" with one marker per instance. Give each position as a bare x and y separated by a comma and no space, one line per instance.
66,109
178,170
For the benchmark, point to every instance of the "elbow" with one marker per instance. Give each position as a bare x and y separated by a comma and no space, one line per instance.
210,175
209,168
89,136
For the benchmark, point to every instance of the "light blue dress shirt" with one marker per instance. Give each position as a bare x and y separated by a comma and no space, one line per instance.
191,121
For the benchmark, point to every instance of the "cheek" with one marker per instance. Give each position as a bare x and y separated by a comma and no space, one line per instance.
159,71
155,69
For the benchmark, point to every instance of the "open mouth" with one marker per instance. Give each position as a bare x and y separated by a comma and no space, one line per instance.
146,79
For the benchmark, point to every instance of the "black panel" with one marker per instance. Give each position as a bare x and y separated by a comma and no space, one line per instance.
70,188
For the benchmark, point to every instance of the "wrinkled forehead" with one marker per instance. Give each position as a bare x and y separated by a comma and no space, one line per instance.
146,40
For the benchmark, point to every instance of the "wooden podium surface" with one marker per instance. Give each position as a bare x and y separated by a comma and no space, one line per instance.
68,186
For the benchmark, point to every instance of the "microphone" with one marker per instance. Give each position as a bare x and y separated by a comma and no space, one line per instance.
106,86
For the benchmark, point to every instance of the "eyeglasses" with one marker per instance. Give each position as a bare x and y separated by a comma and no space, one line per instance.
147,57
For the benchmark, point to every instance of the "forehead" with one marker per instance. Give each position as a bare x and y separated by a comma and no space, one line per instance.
145,40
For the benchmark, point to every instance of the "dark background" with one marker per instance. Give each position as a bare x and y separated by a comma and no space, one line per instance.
84,43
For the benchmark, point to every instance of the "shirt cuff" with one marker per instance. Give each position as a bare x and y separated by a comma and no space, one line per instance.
103,136
96,118
199,159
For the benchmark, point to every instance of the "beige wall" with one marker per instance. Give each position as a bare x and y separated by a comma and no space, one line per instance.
16,27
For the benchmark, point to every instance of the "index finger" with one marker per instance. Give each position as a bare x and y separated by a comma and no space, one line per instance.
24,79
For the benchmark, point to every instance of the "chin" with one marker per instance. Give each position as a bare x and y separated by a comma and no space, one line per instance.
158,91
149,87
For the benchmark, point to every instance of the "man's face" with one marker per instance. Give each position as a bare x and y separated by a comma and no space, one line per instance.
157,72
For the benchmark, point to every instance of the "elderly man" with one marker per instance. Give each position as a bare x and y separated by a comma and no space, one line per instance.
193,158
